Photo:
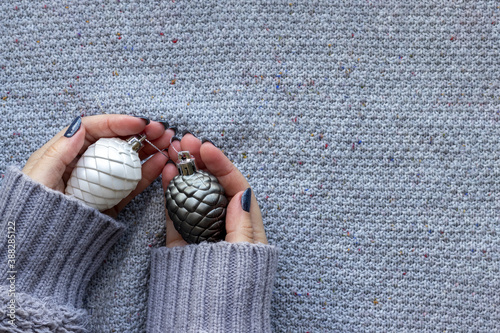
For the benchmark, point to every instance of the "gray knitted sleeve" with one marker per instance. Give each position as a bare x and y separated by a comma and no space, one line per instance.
211,287
55,244
59,243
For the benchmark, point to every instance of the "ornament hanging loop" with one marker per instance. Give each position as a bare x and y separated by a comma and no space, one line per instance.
137,141
186,165
161,152
171,145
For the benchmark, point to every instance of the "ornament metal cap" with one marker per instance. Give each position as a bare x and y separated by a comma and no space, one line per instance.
136,141
186,164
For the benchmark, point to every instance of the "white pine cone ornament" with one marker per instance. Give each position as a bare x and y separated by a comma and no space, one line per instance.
196,203
107,172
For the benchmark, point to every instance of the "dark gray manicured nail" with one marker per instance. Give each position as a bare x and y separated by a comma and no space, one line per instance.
175,138
164,123
146,119
188,132
173,128
203,140
74,127
246,199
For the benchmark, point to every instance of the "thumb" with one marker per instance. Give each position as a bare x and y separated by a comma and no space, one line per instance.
51,166
238,218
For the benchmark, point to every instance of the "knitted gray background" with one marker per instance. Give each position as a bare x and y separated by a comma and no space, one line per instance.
369,131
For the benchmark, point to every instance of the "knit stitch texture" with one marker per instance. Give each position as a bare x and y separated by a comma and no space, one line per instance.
369,131
207,285
53,254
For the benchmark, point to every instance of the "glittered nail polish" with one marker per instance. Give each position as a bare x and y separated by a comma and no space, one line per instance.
146,119
246,199
203,140
74,127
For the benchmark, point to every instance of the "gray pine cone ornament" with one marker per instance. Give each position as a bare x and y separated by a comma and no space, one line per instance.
107,172
196,203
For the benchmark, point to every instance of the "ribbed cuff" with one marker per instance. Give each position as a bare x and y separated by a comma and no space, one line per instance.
59,241
212,287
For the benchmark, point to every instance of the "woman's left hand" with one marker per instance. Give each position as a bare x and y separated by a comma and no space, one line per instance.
52,164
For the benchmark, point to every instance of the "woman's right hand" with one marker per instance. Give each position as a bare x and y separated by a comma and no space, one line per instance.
241,226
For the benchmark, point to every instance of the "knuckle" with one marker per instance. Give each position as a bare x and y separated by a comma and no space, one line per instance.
52,152
52,157
246,230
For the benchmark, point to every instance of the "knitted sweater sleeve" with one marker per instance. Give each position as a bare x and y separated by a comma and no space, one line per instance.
50,246
211,287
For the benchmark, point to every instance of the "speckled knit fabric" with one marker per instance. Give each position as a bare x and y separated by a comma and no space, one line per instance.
369,131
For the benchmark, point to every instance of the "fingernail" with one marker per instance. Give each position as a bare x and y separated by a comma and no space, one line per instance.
164,123
146,119
188,132
74,127
203,140
173,128
246,199
175,138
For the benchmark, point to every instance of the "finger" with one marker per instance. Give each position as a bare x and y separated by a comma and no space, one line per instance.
233,182
238,219
221,167
51,166
96,127
173,237
154,130
151,169
113,125
161,142
33,159
192,144
110,126
168,173
69,169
